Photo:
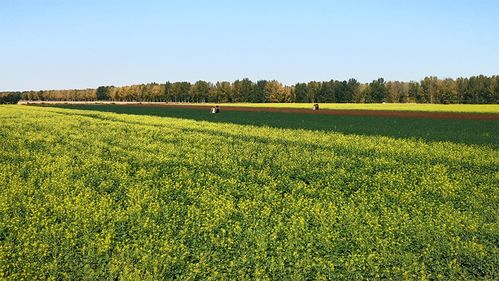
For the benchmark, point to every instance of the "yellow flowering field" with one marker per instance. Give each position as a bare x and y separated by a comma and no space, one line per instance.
96,195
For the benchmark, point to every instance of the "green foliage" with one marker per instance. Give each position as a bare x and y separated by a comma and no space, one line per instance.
475,90
9,98
301,92
222,92
376,91
200,91
93,195
452,130
243,90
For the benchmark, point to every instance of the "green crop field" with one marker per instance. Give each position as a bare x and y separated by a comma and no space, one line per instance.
468,108
457,131
103,192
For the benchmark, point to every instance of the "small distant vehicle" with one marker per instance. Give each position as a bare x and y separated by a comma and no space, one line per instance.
316,106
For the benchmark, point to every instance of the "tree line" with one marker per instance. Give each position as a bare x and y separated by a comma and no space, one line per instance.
473,90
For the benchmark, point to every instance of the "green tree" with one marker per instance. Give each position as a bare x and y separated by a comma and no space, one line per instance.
222,92
353,90
376,92
429,87
259,92
10,97
495,89
180,91
200,91
327,92
301,92
447,91
243,90
313,90
341,91
168,91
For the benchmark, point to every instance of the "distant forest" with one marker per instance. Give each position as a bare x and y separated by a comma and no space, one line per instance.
473,90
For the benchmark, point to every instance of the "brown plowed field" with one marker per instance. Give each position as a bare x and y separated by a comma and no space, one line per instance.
379,113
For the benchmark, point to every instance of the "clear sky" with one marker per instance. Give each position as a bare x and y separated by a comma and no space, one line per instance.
58,44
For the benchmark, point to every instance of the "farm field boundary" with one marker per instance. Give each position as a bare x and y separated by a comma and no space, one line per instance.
486,112
479,132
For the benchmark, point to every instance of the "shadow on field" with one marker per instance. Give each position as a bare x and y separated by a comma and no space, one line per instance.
459,131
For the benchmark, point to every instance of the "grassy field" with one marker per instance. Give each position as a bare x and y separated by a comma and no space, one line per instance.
468,108
88,194
457,131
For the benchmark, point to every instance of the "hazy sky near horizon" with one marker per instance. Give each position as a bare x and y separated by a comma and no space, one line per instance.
61,44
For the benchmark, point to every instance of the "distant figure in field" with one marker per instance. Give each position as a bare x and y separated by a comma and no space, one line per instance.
215,109
316,106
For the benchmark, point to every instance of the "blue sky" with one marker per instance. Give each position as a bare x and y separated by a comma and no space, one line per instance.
58,44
